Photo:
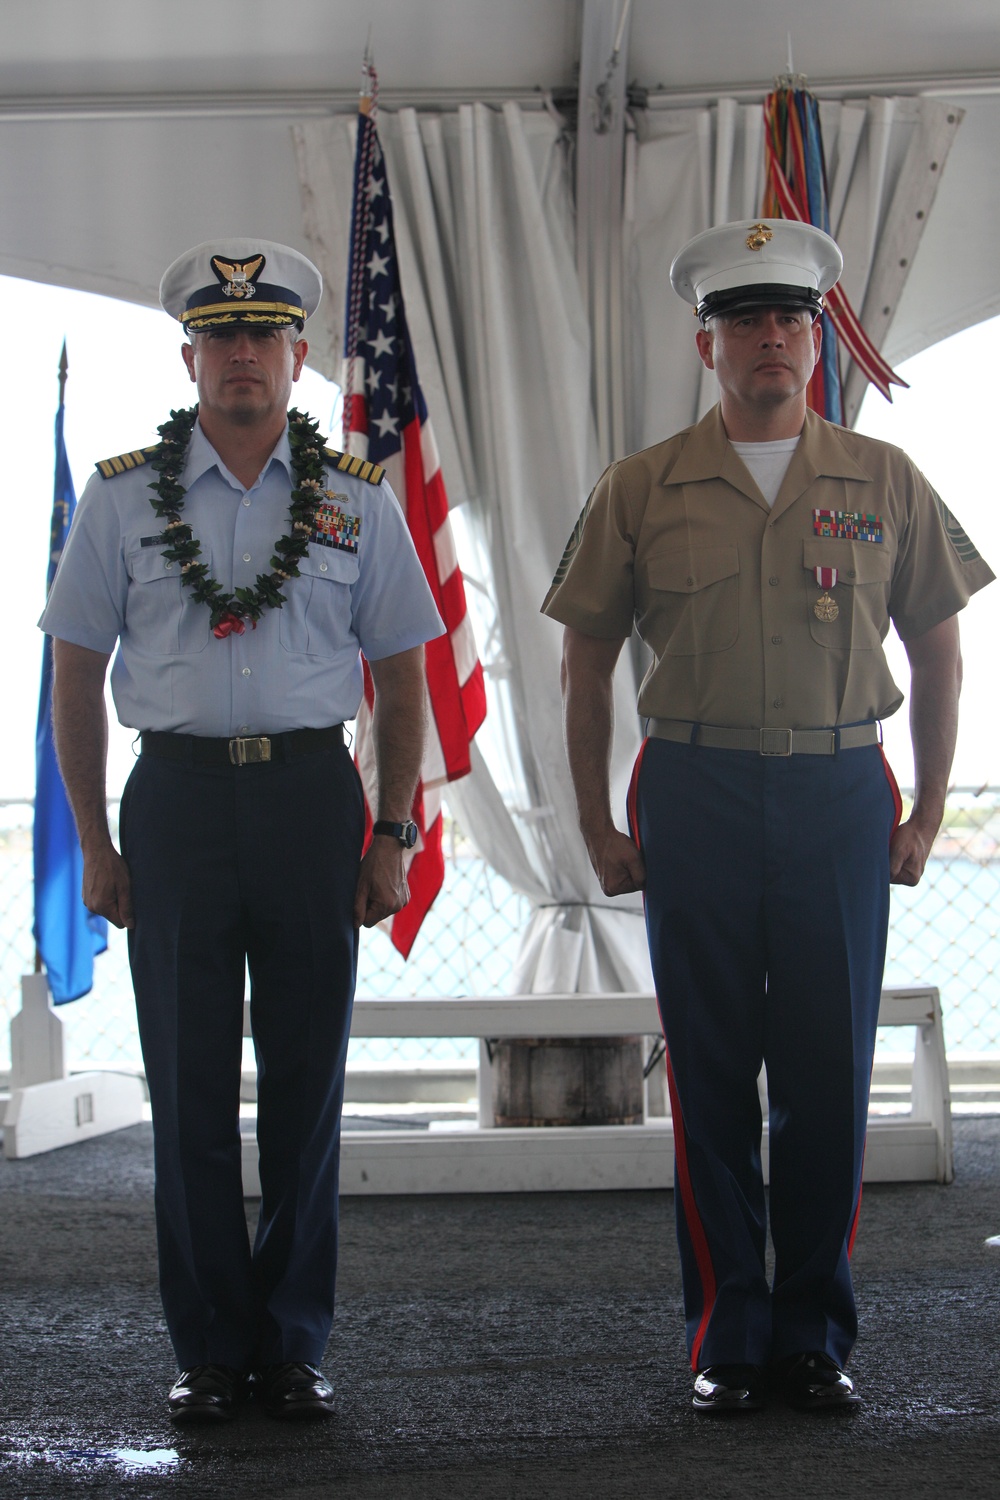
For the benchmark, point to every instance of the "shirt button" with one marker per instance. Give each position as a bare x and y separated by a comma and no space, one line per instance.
169,566
773,582
246,557
851,573
246,499
246,671
776,640
322,567
243,729
779,702
690,583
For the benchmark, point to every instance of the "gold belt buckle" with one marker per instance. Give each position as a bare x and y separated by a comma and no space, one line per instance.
776,742
249,752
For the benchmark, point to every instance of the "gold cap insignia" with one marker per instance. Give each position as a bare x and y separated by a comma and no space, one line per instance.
758,237
237,277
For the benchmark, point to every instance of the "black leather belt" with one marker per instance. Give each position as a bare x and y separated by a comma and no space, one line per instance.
243,750
766,741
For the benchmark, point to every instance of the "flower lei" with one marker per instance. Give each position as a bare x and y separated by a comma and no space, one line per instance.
230,611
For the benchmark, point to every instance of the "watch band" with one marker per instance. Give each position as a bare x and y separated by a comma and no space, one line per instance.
405,833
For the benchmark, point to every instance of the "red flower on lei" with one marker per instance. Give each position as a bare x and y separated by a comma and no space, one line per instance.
229,624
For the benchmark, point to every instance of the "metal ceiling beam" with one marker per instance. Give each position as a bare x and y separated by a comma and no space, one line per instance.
955,86
294,103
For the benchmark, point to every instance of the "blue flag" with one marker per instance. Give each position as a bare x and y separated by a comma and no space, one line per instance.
67,935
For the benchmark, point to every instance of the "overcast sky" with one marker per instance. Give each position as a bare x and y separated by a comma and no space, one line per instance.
125,373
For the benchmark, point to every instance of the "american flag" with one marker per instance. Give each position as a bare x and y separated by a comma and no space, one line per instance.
385,420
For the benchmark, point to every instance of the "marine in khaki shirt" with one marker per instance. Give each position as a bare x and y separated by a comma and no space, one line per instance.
679,542
762,556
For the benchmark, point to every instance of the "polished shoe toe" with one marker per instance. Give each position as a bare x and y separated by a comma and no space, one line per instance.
205,1393
294,1392
728,1388
814,1382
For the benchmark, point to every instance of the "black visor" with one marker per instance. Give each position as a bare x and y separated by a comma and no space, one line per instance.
764,294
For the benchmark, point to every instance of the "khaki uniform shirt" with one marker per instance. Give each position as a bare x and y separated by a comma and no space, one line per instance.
679,542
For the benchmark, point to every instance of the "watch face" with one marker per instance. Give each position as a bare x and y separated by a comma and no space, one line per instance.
408,835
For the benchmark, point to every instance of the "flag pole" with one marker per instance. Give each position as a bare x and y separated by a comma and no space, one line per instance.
63,372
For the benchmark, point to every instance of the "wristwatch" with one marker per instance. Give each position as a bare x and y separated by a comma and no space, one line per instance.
406,833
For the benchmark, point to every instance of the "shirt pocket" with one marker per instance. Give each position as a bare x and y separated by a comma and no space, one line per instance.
694,599
315,619
161,616
861,593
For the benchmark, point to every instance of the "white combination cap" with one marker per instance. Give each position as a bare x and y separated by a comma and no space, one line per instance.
757,262
232,281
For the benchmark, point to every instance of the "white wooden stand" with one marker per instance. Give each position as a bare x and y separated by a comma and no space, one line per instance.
46,1108
480,1159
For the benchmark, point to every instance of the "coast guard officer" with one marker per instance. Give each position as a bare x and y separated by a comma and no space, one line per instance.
761,555
240,568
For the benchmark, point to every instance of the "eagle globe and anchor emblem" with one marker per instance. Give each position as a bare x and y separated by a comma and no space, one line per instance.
237,277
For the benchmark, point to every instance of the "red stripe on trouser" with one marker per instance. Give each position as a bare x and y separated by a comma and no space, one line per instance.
857,1208
897,799
631,799
897,802
695,1227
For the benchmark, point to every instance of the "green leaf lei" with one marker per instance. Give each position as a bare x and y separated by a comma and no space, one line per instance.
230,611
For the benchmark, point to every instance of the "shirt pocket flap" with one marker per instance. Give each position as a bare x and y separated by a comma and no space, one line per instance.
330,565
148,564
856,562
692,569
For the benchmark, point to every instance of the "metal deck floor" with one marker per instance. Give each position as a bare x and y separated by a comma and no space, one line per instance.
514,1346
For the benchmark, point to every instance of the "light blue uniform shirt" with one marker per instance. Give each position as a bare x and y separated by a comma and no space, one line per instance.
300,668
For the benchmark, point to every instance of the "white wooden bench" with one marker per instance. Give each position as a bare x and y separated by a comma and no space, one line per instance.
480,1159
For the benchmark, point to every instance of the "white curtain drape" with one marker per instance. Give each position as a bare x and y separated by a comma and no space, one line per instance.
484,228
485,231
689,169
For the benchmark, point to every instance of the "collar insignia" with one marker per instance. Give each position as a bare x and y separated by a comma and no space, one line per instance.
237,277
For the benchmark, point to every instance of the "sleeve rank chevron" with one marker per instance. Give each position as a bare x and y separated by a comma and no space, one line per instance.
957,535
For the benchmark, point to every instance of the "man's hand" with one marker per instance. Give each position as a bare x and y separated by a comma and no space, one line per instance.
619,866
398,727
588,666
908,850
81,735
382,888
107,886
935,683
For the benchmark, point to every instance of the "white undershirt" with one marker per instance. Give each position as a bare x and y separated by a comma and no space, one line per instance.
768,463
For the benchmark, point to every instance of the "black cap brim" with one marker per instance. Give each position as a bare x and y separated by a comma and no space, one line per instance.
764,294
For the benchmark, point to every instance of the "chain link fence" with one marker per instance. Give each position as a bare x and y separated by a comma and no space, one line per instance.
943,932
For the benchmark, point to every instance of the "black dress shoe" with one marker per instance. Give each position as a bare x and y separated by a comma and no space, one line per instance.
814,1382
294,1392
728,1388
206,1393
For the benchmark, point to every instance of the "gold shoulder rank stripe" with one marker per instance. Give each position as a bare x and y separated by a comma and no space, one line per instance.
359,467
109,467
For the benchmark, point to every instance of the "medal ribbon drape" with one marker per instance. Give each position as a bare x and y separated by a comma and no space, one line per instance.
385,420
796,188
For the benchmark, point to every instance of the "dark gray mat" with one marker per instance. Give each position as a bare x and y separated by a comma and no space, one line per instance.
506,1347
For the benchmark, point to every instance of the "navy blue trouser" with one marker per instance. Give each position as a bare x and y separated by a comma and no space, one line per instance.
254,865
767,904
